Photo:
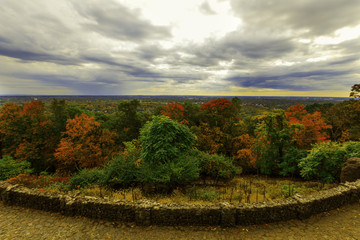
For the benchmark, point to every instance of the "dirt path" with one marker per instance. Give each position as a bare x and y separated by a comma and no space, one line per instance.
21,223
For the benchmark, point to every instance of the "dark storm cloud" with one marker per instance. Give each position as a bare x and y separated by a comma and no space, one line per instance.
292,81
4,40
240,45
116,21
141,72
83,86
132,70
26,55
319,17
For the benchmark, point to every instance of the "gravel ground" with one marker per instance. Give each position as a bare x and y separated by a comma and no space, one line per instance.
21,223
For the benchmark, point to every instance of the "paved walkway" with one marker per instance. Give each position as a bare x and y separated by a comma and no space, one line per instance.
21,223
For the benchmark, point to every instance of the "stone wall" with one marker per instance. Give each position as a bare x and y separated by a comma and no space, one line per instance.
152,213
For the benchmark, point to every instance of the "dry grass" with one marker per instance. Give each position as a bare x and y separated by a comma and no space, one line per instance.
240,190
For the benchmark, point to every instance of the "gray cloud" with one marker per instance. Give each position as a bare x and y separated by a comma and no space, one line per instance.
4,40
97,86
26,55
116,21
295,81
240,45
345,60
316,18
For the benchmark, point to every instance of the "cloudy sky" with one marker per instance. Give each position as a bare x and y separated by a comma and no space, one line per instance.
182,47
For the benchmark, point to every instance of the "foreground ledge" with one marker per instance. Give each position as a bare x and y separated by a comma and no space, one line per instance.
147,212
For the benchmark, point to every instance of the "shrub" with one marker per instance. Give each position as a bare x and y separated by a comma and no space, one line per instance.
183,170
166,157
217,167
352,149
290,161
10,168
163,140
34,181
86,178
123,170
324,162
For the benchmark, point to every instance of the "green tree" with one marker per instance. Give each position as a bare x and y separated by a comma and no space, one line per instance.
128,121
344,118
273,137
164,140
192,113
59,115
355,91
166,157
324,162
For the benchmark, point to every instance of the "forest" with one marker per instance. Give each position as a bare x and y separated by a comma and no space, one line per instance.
157,142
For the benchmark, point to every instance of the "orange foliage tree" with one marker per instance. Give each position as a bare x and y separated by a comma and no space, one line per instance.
27,134
84,145
10,122
244,155
209,139
309,128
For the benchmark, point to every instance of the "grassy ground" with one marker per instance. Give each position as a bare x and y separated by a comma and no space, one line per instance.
247,189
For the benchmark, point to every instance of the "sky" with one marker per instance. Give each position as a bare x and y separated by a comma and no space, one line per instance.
180,47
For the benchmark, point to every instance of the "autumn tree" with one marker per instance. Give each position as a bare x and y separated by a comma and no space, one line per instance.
221,115
219,112
84,145
27,134
174,111
308,128
243,152
10,125
209,139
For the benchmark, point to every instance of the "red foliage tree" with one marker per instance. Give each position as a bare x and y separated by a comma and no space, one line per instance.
174,111
219,111
311,128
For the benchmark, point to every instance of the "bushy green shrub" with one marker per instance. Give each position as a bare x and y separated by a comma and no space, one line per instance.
290,161
166,156
216,167
124,169
163,140
352,149
324,162
175,173
10,168
85,178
